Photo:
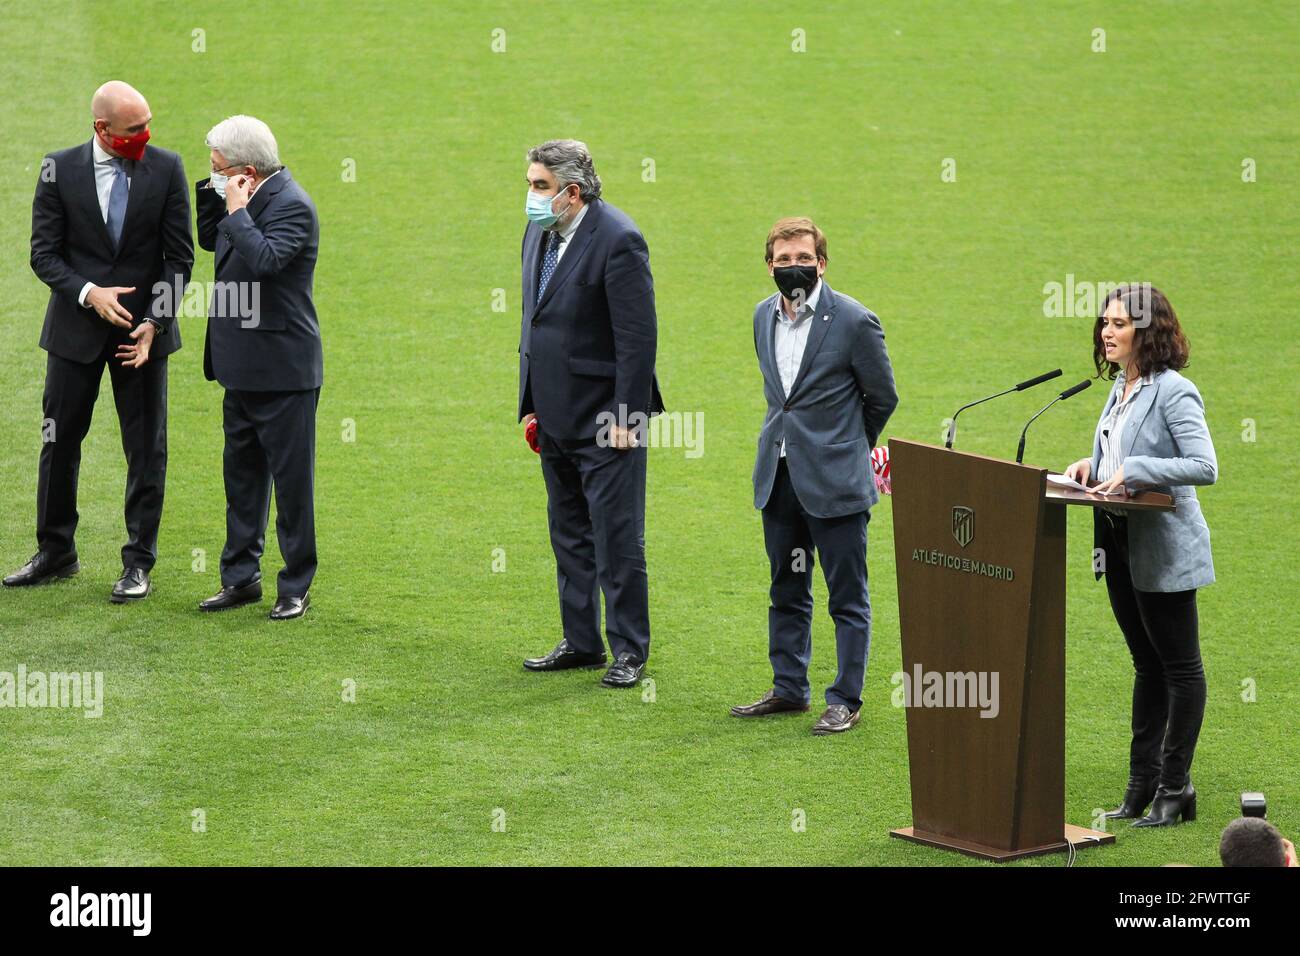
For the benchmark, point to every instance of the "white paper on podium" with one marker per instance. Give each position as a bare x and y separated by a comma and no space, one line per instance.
1060,481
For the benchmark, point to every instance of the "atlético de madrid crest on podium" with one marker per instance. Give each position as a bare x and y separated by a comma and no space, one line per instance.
963,524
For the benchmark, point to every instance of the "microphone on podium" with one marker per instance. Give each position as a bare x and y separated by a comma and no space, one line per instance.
1075,390
1039,380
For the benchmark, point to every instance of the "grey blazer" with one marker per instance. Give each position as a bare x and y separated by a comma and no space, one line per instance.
1167,448
838,405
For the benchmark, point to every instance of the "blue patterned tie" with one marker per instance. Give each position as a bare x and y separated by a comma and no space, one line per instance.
549,258
117,202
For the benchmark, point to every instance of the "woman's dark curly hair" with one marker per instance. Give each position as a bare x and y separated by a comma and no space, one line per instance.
1158,340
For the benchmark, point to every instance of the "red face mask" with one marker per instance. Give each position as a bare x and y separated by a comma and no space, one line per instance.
132,147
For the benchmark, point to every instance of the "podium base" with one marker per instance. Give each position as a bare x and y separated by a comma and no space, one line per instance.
1081,837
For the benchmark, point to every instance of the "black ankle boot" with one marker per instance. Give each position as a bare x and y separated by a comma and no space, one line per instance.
1137,798
1169,805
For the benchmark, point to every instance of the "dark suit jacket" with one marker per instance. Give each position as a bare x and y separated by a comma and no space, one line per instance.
589,345
839,402
268,249
71,246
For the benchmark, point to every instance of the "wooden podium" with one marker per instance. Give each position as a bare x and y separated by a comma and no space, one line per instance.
980,551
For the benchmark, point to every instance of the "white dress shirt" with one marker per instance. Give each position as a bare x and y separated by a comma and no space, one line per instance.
566,233
791,339
104,174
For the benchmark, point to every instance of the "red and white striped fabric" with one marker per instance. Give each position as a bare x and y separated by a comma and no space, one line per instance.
880,469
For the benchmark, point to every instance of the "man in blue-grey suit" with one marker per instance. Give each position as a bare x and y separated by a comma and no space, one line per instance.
587,386
264,347
829,389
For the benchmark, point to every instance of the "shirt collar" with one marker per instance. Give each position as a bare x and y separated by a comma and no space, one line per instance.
101,154
1144,380
263,182
809,306
1124,403
567,231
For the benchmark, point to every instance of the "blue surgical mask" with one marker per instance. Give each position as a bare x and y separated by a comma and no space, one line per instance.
219,184
538,209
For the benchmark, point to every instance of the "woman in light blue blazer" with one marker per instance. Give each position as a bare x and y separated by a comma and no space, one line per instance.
1152,436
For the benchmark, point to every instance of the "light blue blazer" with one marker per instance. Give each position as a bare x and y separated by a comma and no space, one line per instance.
1166,448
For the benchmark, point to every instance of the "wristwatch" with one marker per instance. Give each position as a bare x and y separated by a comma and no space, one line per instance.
159,328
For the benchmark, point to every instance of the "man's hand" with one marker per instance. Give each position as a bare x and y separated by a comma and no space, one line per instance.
103,299
531,429
238,189
622,438
1116,483
133,356
1080,471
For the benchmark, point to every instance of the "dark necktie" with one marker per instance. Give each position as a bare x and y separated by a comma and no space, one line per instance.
549,258
117,202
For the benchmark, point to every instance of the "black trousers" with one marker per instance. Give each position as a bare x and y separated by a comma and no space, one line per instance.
1169,679
270,442
71,389
595,506
790,535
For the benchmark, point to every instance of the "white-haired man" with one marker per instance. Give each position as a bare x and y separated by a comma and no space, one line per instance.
264,347
111,238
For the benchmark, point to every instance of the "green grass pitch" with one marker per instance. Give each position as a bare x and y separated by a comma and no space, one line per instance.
1108,166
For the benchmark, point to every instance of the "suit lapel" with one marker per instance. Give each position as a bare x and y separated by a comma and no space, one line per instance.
266,192
141,174
89,193
532,252
821,323
767,343
1142,402
577,247
256,205
223,250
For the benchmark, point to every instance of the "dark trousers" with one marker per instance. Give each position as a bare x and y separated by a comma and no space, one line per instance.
1169,680
790,535
69,403
270,441
595,506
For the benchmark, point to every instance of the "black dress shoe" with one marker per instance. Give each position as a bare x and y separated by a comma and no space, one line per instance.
44,567
227,598
769,703
287,608
133,585
1169,805
836,719
563,658
1137,798
624,672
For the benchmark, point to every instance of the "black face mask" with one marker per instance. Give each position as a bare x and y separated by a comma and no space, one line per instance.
796,282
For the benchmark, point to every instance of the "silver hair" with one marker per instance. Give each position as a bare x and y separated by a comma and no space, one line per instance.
571,163
246,141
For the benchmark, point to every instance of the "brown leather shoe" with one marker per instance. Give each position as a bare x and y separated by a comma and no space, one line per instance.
835,720
769,703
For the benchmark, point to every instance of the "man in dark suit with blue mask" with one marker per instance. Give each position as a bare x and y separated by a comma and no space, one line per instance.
264,347
587,385
829,389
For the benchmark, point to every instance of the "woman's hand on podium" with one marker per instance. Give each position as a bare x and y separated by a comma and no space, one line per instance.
1114,485
1080,471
